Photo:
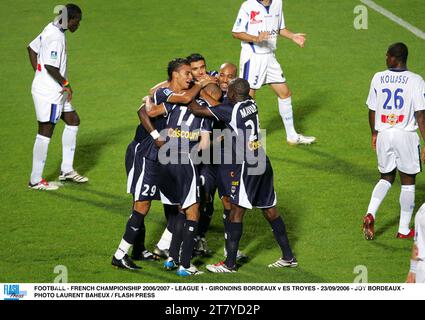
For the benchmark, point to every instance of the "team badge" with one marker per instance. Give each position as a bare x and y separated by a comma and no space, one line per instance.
392,119
53,54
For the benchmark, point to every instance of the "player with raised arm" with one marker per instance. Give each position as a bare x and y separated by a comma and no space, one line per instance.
48,57
396,105
417,261
253,180
180,180
258,25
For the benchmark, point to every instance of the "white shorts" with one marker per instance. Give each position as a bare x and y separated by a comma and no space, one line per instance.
420,272
260,69
398,149
49,112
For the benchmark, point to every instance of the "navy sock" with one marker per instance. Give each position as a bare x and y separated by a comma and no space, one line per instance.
205,219
190,229
134,224
233,238
279,231
226,222
177,239
139,244
171,213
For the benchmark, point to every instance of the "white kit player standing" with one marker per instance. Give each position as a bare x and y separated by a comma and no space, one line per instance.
396,105
417,262
48,57
258,25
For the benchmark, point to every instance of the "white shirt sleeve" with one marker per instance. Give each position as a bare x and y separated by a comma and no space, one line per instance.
35,44
52,53
282,22
242,20
419,96
372,98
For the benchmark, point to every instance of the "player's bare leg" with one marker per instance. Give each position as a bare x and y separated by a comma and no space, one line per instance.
407,205
378,195
69,141
41,147
285,110
279,230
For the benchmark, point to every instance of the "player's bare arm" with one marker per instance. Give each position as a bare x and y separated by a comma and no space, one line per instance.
411,277
33,57
200,111
372,128
188,95
149,127
163,84
420,119
243,36
298,38
54,72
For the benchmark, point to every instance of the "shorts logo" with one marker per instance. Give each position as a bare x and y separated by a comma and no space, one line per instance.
53,54
253,15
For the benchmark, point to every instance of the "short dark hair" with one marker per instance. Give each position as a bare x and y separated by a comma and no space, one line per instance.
239,89
195,57
174,65
73,11
399,51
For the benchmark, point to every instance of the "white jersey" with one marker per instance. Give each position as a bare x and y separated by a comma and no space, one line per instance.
395,95
420,232
254,17
50,47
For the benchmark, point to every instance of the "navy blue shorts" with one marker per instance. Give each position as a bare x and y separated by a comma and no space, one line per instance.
225,176
208,176
142,174
179,184
250,191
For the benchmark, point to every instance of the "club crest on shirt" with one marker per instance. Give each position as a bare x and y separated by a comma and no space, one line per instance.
253,16
53,54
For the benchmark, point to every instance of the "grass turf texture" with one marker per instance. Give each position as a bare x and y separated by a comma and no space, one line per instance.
119,52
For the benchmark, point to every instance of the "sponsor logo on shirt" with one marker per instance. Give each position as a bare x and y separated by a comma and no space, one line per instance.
53,55
253,16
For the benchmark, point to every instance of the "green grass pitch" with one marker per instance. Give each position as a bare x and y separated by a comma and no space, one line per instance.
121,50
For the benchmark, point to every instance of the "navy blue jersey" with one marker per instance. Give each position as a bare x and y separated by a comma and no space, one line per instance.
148,149
242,119
183,128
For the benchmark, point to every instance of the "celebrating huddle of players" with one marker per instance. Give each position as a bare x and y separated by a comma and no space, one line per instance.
164,162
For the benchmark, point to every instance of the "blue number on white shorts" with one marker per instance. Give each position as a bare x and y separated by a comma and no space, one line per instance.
398,99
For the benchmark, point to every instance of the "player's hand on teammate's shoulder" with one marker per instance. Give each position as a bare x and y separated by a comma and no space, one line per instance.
206,80
300,39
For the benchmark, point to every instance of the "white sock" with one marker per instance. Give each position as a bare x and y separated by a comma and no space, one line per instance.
407,204
122,249
69,141
285,110
165,241
378,195
39,156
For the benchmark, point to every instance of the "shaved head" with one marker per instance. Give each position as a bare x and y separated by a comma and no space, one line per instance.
228,72
214,91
